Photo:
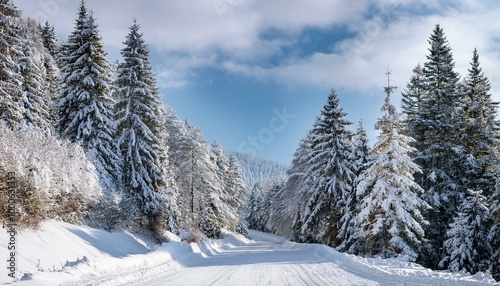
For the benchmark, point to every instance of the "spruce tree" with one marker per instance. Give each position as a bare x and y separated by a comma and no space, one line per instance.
349,233
390,218
440,154
220,159
252,209
86,106
273,201
232,192
209,219
36,107
467,246
234,187
52,73
480,128
494,234
11,97
49,38
411,104
285,218
329,175
139,127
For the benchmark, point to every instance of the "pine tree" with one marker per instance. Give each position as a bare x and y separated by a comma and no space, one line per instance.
36,107
348,232
467,247
205,178
411,103
494,234
169,191
220,159
272,200
52,73
440,154
209,220
253,207
11,97
285,215
50,41
234,187
480,128
391,210
185,147
52,90
329,175
139,127
232,192
86,106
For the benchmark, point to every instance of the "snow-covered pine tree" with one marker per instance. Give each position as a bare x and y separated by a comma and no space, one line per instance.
252,209
210,217
440,155
11,97
289,199
467,246
204,186
50,39
411,103
202,177
261,205
480,128
36,107
139,129
234,191
329,175
86,106
362,149
180,143
391,208
220,159
52,89
494,234
230,178
169,192
361,158
40,58
52,72
273,198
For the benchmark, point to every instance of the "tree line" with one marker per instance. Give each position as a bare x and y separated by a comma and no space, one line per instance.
428,189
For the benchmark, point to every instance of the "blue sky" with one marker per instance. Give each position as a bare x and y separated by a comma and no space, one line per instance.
254,74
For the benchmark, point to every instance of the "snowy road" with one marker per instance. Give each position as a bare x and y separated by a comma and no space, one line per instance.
269,260
65,254
263,262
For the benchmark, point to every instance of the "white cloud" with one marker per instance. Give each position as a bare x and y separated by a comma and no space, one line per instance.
359,62
228,34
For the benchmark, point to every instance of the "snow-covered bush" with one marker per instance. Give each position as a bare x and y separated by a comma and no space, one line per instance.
54,178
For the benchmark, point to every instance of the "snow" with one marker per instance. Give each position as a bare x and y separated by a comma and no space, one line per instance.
78,255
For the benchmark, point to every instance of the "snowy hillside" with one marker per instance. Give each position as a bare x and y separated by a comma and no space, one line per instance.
61,254
255,169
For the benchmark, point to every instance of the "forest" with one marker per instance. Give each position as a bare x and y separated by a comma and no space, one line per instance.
428,189
91,142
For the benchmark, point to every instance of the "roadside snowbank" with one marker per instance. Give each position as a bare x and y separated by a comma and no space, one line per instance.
59,252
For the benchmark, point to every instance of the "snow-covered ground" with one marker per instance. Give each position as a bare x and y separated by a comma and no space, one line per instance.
64,254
